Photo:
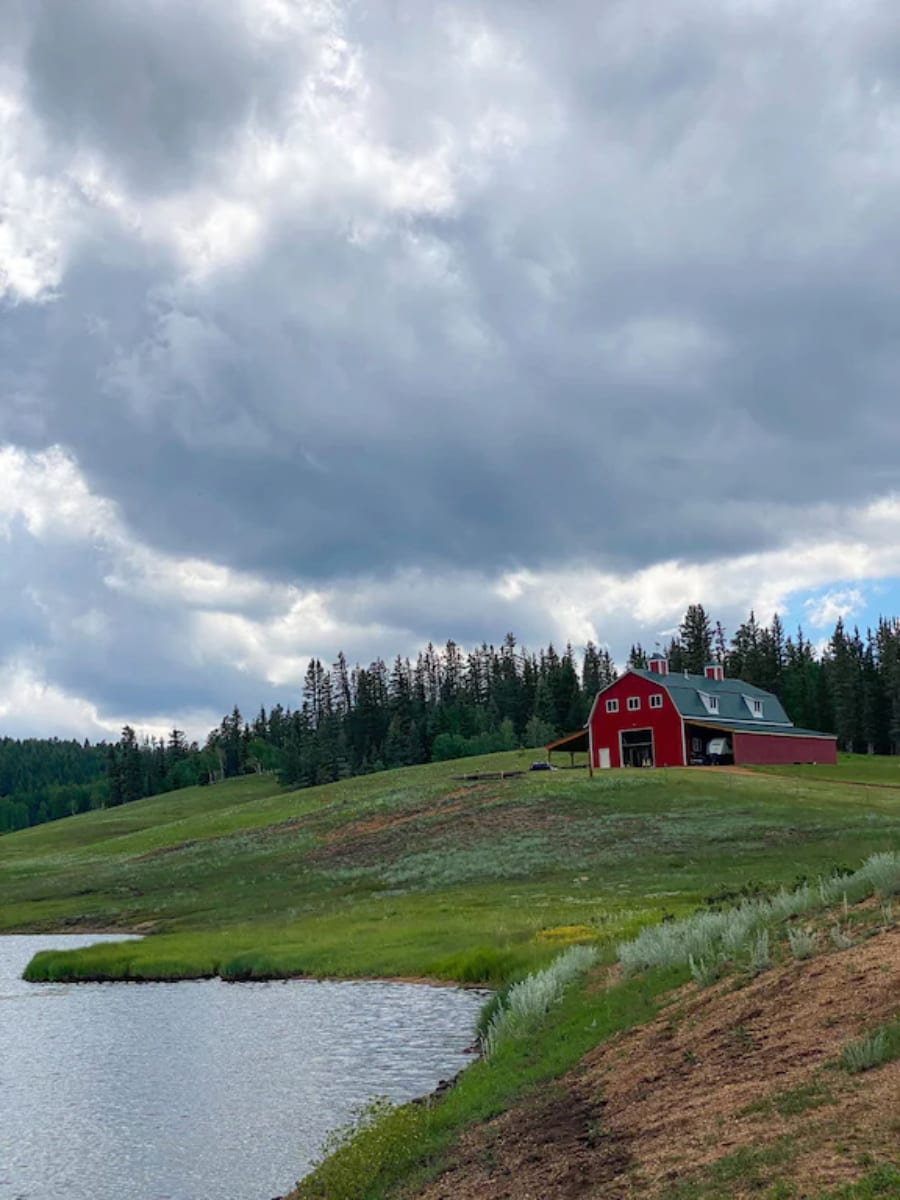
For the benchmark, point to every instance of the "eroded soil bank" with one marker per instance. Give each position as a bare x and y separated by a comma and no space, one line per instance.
730,1090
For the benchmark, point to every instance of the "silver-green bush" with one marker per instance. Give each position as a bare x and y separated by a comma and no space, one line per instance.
840,939
802,942
760,955
707,936
883,872
529,1001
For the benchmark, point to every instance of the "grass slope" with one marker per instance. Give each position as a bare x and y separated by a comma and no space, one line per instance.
416,872
873,770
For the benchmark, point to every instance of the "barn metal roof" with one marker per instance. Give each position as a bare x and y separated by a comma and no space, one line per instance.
686,690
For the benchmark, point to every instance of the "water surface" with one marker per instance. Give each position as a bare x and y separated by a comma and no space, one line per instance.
200,1090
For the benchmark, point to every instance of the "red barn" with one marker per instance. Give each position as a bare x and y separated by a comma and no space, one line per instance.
660,719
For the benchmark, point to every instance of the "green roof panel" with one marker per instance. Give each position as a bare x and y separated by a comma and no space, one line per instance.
733,711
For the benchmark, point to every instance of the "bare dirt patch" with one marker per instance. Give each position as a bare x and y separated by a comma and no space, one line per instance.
714,1074
358,829
464,826
554,1147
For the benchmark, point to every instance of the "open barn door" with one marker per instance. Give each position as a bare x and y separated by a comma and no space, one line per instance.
637,748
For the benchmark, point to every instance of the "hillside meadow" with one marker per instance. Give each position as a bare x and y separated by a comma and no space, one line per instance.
420,873
417,872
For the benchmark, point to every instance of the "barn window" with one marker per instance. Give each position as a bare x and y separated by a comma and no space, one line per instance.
710,703
755,705
634,703
612,706
656,701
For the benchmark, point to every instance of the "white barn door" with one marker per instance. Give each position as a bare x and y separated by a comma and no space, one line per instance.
603,754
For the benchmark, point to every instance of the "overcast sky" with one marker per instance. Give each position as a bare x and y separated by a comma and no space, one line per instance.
328,324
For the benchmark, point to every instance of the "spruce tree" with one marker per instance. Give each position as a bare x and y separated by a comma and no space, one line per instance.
695,638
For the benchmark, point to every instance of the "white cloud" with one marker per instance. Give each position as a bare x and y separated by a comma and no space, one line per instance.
46,491
32,705
823,612
213,619
34,210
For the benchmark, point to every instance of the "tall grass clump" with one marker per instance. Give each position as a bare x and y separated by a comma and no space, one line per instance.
760,955
707,936
802,942
528,1002
705,971
865,1053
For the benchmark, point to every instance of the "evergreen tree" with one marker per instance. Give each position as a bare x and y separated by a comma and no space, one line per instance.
114,777
591,672
637,658
695,638
843,663
131,769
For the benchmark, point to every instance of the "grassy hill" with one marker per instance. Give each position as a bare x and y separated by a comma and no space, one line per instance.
419,872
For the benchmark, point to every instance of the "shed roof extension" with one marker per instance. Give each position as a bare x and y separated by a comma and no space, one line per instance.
756,726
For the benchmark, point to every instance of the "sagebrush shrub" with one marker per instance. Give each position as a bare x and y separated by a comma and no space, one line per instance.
802,942
760,955
528,1002
707,936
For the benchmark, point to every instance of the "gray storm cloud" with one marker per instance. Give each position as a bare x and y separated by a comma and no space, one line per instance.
333,291
668,293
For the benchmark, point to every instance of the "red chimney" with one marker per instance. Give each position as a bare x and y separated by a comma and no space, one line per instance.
659,664
714,671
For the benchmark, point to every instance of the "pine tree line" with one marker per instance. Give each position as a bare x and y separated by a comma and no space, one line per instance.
450,703
42,779
851,688
447,704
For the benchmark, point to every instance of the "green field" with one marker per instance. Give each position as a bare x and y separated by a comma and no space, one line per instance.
415,872
418,872
877,770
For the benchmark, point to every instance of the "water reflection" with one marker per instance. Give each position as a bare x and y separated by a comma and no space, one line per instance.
196,1090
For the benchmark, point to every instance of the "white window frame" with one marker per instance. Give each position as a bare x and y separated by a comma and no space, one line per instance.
612,705
710,703
755,705
634,703
656,700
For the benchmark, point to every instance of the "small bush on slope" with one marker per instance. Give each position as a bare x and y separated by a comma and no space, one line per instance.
709,935
528,1002
876,1047
803,942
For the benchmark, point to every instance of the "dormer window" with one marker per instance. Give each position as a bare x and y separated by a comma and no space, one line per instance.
755,706
710,703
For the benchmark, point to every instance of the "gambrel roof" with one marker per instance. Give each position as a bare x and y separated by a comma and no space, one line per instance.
734,701
729,705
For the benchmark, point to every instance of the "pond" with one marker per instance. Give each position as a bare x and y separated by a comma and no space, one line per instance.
201,1090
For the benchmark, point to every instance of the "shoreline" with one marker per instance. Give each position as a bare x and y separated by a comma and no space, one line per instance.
418,980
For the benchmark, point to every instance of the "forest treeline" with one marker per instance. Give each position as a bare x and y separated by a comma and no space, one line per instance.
42,779
450,703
